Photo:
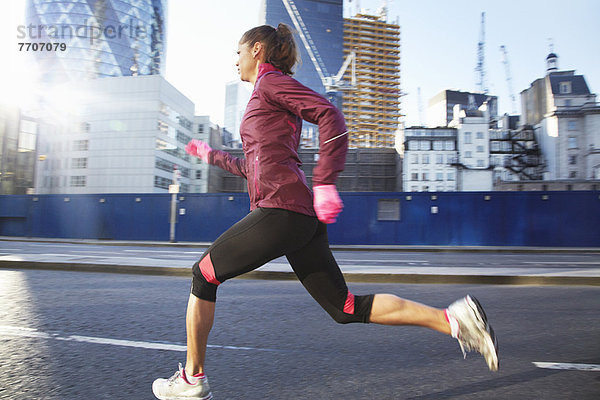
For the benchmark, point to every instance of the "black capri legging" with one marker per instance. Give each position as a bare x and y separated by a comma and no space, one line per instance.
269,233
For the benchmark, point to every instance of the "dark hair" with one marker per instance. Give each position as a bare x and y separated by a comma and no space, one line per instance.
280,46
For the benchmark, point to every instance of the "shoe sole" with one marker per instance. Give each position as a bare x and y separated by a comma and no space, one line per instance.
488,333
209,397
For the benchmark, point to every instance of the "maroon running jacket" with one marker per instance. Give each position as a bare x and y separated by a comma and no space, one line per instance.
270,132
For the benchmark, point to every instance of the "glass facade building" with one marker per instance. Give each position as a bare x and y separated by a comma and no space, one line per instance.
324,22
103,37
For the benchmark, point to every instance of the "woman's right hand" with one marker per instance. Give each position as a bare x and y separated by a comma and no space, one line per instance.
199,149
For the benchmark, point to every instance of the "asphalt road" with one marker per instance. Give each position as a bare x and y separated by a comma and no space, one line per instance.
70,335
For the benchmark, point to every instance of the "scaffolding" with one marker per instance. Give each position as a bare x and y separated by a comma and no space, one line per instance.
372,109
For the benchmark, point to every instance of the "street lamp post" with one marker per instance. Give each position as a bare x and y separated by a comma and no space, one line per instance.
174,190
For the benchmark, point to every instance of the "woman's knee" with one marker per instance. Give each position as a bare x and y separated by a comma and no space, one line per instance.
201,287
356,309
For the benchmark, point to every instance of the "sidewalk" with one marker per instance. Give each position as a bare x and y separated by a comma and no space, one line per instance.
279,269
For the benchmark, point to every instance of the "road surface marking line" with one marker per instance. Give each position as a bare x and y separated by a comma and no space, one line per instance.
34,333
565,263
568,366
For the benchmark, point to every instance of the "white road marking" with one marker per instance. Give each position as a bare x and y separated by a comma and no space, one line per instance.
565,263
34,333
568,366
381,261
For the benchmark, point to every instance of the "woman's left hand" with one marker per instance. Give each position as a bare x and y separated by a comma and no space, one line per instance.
327,203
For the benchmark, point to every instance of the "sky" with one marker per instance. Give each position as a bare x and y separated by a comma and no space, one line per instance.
438,46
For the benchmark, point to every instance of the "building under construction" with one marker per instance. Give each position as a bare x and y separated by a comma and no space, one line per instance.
372,108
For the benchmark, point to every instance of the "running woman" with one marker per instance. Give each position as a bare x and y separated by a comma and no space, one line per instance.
287,219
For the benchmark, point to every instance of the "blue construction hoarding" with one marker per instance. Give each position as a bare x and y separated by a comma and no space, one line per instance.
565,219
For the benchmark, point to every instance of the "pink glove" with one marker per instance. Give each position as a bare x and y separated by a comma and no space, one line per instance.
327,203
198,148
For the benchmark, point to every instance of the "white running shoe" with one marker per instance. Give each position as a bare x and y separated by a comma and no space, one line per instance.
182,387
474,332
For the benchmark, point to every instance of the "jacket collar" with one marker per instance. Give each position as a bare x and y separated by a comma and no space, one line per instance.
264,68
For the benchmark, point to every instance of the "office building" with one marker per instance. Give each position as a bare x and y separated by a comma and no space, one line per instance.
430,158
207,178
372,108
128,136
237,95
18,143
103,38
565,117
473,143
440,111
453,158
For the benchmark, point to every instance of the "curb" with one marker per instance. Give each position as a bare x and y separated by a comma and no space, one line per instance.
286,276
400,248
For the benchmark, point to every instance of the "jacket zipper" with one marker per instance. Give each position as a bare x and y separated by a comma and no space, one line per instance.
257,191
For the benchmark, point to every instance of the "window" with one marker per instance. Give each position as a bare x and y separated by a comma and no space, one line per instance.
449,145
572,125
480,149
565,87
495,146
568,103
572,142
479,135
425,158
77,181
572,160
182,137
468,138
425,145
439,176
79,163
200,129
480,163
198,174
414,188
573,174
414,159
161,182
413,145
164,165
438,145
439,158
425,176
80,145
450,176
468,154
414,176
163,127
388,210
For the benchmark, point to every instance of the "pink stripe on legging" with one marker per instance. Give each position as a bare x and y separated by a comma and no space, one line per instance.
208,270
349,305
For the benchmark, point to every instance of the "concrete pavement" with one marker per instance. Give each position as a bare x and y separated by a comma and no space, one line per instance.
105,261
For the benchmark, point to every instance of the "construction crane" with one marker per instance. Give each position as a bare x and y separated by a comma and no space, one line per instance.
420,105
511,94
480,68
332,83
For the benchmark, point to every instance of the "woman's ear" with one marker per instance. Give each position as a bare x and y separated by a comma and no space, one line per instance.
256,49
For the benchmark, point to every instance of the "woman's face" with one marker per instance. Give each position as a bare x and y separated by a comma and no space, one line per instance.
246,63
